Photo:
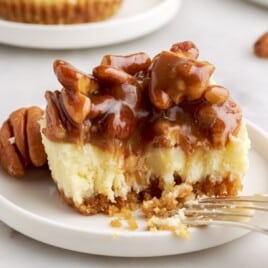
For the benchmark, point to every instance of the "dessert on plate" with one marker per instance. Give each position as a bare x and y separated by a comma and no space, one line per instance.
140,130
58,12
137,132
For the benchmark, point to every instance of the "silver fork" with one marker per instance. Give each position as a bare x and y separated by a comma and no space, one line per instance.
249,212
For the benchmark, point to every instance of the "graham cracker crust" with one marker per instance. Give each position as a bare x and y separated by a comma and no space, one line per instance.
154,201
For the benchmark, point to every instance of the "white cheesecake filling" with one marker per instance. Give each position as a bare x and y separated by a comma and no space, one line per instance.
83,171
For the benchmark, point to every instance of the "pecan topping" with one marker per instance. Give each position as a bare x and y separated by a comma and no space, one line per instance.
131,64
187,48
175,78
216,94
133,100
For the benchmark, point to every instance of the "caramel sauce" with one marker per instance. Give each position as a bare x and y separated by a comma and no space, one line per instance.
131,64
175,78
138,103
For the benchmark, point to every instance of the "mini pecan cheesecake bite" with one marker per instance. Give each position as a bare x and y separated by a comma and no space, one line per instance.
58,11
144,131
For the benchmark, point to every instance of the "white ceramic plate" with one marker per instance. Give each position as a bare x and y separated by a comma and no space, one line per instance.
260,2
33,207
135,19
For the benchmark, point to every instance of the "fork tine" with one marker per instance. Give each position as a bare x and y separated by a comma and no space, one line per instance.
253,199
216,213
247,212
203,222
206,205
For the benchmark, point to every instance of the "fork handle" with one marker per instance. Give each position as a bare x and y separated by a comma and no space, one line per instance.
244,225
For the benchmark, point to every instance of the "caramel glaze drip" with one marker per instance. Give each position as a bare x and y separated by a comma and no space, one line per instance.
132,101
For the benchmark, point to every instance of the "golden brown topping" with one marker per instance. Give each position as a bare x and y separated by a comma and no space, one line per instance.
120,104
207,116
161,127
161,130
175,78
122,124
216,94
261,46
119,84
20,141
101,105
131,64
79,85
188,48
218,121
73,79
159,97
54,124
77,106
131,101
111,75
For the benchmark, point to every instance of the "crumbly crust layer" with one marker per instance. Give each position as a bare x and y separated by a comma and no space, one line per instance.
58,12
159,201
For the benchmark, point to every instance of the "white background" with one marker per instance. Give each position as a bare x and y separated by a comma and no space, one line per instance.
225,31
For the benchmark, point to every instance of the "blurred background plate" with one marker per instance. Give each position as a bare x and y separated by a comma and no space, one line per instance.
260,2
135,19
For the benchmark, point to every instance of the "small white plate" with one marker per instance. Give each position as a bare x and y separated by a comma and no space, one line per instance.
33,207
259,2
135,19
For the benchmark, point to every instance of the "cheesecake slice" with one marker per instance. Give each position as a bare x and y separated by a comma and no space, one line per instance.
141,131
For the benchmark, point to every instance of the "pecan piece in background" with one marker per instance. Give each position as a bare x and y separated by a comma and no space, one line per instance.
261,46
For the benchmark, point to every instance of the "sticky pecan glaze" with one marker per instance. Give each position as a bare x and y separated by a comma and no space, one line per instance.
132,101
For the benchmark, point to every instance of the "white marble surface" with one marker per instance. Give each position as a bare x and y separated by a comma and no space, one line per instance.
225,31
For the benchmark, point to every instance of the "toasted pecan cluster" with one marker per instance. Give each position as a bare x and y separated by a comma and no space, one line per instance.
127,97
111,97
177,76
20,141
